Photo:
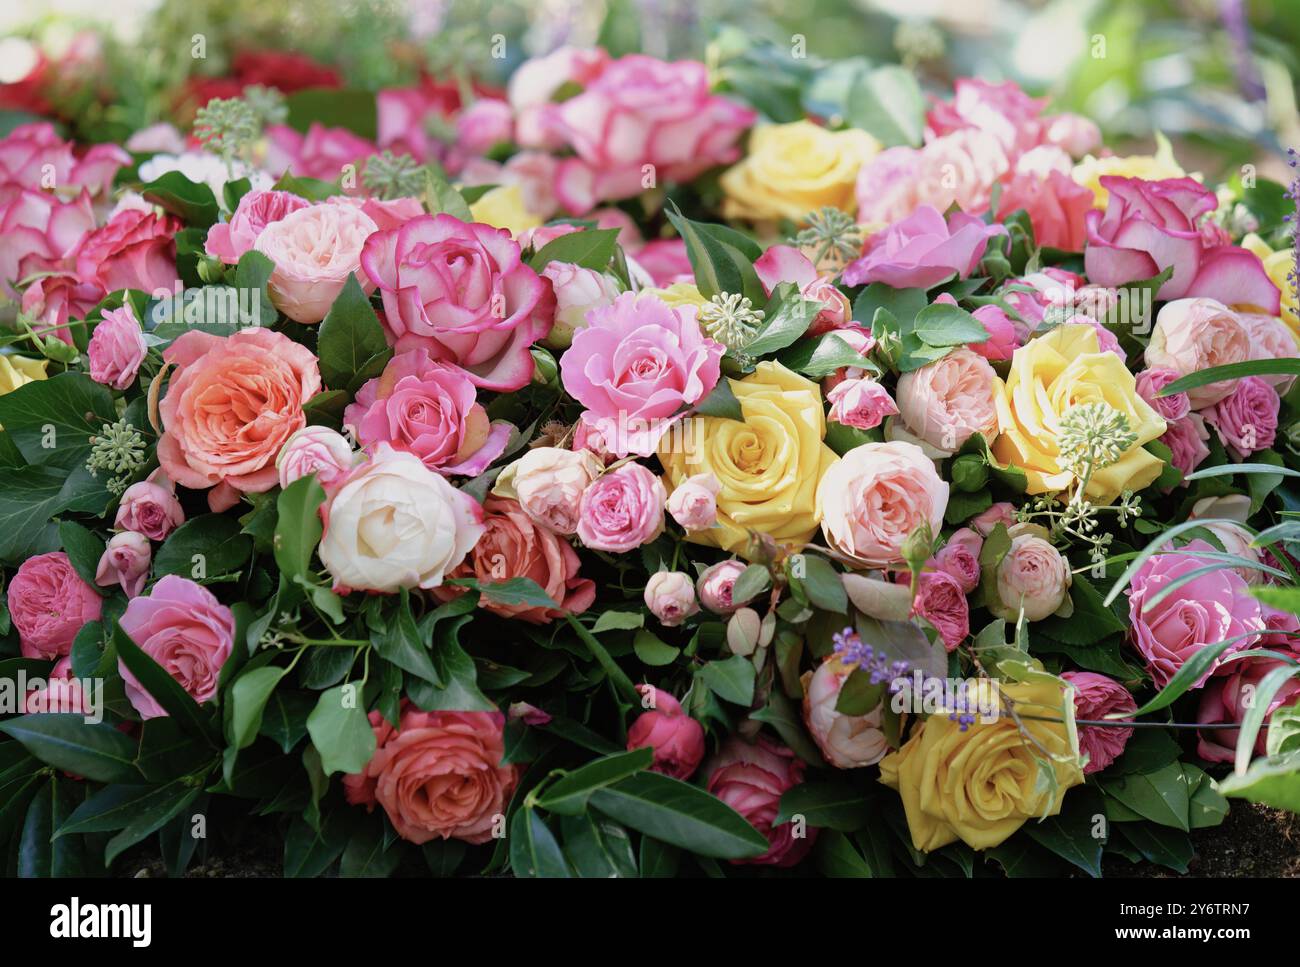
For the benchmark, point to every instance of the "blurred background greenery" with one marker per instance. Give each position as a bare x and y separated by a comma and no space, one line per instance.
1218,76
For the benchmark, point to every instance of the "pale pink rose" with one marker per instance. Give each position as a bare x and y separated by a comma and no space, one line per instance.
1246,419
483,125
985,522
460,291
150,507
693,503
314,249
135,250
715,585
751,778
577,292
125,562
1270,338
959,168
1149,384
642,111
670,596
1057,207
61,693
160,138
845,741
1003,110
438,776
31,155
1051,288
117,348
1226,700
876,496
1032,576
589,438
947,401
49,603
257,209
666,261
677,739
941,601
549,483
1185,439
960,558
1208,609
1003,339
622,509
860,403
1096,698
322,153
923,250
429,409
1073,133
1220,514
784,263
1192,334
537,80
37,230
182,627
230,407
51,300
533,172
635,366
315,449
385,213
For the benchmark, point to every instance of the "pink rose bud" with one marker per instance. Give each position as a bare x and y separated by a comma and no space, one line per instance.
622,509
715,585
577,292
49,603
677,739
1095,698
318,450
1034,576
860,403
1149,384
528,714
228,241
960,558
670,596
846,741
117,348
125,561
986,521
150,508
1003,339
694,503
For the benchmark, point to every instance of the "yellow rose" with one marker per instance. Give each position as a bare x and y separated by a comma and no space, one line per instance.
981,785
793,169
503,207
18,371
1048,376
1278,265
1150,167
677,295
769,465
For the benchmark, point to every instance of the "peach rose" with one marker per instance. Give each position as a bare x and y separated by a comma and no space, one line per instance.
231,407
314,250
846,741
549,482
947,401
1192,334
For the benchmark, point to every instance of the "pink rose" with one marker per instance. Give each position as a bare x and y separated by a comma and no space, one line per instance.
846,741
946,402
622,509
230,407
438,776
1208,609
876,496
1270,338
1003,110
1074,134
860,403
314,249
430,409
960,558
1032,577
1228,697
1057,207
694,503
715,585
32,154
182,627
51,300
635,366
670,596
1283,626
1149,226
1247,418
577,292
135,250
549,483
941,601
1193,334
150,507
160,138
318,450
1003,339
959,169
751,778
1185,439
666,261
784,263
677,739
117,348
1096,697
460,291
62,693
538,80
257,209
1149,384
37,230
923,250
321,153
985,522
483,125
49,603
125,562
1051,288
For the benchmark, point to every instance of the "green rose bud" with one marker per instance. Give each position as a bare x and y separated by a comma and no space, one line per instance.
970,473
545,370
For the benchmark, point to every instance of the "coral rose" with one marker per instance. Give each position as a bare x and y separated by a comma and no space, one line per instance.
49,603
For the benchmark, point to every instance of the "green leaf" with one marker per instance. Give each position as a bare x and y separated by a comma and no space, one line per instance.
731,679
1187,676
887,103
1272,782
1069,834
754,580
591,248
29,497
568,796
66,741
515,591
298,527
622,684
784,717
822,355
350,108
859,694
248,697
657,859
720,402
722,258
941,324
823,584
618,621
52,420
39,853
84,549
534,853
597,848
191,202
652,650
340,730
442,198
367,855
1162,796
829,805
1286,366
115,807
310,852
204,548
786,317
837,857
681,815
400,643
1257,708
252,273
167,691
351,343
284,720
1159,844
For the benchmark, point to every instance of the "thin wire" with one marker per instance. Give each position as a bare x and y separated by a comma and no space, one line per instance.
1129,724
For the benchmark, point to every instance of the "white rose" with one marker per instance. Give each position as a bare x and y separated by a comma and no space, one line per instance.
397,524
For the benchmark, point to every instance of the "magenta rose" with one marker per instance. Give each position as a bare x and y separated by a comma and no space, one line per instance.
635,366
49,603
186,630
1225,701
677,739
321,153
751,778
257,209
429,409
960,558
36,230
1208,609
1149,226
923,250
117,348
1246,419
1185,439
460,291
622,509
642,111
1095,698
135,250
941,601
